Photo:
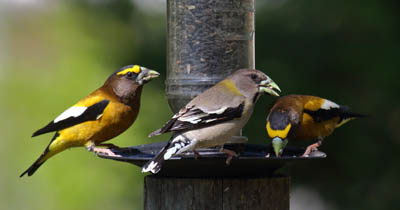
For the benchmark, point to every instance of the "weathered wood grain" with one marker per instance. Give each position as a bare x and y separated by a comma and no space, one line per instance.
165,193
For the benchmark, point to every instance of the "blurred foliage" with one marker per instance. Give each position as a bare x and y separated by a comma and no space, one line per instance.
52,55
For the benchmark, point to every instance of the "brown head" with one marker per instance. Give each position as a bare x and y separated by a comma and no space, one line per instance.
252,82
127,82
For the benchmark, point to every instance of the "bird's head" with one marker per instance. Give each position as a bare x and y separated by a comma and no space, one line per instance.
127,81
254,82
135,74
278,127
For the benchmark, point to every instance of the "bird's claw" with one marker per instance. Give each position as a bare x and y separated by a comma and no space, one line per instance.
312,148
105,151
230,154
196,154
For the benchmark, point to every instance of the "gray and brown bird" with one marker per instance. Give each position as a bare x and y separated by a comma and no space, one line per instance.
214,116
102,115
297,118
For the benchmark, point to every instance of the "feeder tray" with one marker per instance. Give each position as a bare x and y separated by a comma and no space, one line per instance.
252,160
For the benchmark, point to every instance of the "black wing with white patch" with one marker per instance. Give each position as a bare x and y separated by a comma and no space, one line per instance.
73,116
324,114
194,118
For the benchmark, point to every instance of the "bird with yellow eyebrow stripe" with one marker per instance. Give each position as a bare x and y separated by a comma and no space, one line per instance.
102,115
303,117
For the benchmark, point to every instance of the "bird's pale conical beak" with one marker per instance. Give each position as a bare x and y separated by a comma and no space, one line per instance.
270,87
278,145
149,74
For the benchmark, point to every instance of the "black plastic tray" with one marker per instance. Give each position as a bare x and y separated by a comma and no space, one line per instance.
252,160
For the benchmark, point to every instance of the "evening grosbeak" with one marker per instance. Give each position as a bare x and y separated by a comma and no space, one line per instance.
214,116
303,117
104,114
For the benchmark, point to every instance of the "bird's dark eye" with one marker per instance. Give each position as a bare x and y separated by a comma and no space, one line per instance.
131,75
254,77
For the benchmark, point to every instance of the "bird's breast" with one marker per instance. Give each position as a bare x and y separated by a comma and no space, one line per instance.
115,120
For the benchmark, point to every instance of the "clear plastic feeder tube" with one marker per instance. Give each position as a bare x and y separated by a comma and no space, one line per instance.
207,41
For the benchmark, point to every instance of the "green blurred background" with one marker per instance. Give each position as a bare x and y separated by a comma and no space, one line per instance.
52,53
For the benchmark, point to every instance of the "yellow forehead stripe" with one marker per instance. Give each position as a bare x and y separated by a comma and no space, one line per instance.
278,133
134,69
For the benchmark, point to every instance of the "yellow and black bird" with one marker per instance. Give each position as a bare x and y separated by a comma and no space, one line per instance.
104,114
303,117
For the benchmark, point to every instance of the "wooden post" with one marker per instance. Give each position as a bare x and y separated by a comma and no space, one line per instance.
268,193
250,182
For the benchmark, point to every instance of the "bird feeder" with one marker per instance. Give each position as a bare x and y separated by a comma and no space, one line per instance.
207,41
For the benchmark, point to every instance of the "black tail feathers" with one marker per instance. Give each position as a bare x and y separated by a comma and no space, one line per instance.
155,164
355,115
345,113
176,145
31,170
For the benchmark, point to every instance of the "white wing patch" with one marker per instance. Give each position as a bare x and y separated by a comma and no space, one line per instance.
170,152
192,119
74,111
151,167
218,111
196,118
327,105
180,144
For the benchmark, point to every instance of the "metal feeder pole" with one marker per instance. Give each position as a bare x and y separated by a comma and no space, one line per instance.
207,41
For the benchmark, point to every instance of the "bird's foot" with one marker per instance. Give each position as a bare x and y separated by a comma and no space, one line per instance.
230,154
196,154
105,151
312,148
